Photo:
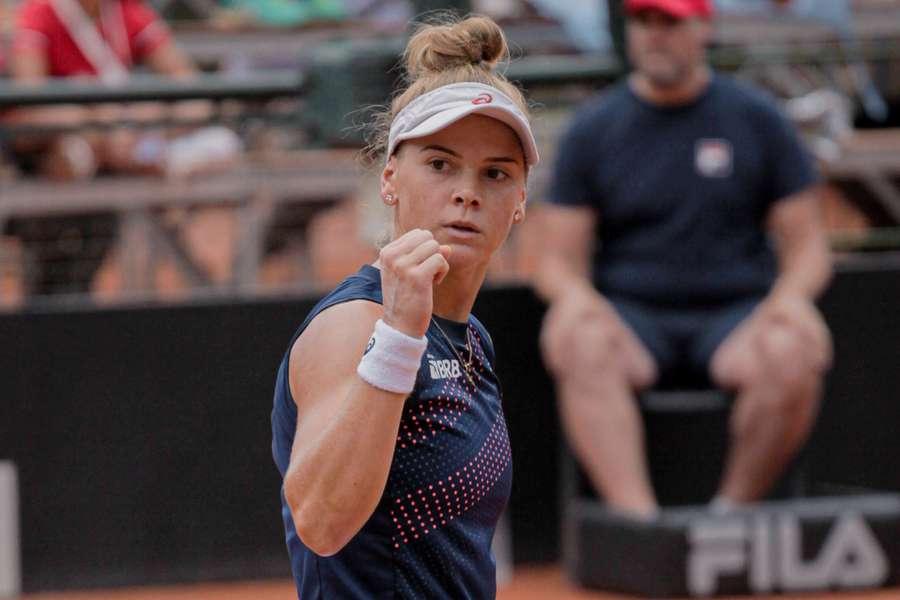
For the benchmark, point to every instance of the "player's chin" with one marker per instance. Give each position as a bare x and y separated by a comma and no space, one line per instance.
467,254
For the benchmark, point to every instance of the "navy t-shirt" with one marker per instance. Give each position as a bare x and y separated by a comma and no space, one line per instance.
682,193
450,478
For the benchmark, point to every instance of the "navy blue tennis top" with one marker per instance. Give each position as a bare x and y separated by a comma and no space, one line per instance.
430,536
682,192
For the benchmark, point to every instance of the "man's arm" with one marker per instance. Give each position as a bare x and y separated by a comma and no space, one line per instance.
28,65
169,59
804,270
804,259
568,241
563,281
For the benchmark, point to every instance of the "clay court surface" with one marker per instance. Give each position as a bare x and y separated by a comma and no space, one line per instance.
542,583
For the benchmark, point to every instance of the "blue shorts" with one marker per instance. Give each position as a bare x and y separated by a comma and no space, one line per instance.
683,340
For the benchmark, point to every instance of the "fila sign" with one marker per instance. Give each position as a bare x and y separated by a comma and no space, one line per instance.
769,550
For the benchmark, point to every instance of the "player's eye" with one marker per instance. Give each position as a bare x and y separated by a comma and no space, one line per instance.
438,164
497,174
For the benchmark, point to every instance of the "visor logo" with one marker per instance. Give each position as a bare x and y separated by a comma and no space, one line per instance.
484,98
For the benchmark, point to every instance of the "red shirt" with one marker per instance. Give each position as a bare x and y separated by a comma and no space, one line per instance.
130,28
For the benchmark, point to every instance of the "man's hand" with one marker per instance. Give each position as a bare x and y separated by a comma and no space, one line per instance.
797,312
582,330
783,319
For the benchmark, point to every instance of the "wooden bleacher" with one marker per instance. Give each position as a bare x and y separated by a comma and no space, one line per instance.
871,158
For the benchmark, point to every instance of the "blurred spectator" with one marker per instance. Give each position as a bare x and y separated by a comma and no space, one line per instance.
678,181
291,13
103,40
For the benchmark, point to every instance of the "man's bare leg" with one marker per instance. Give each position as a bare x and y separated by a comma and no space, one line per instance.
772,418
765,436
604,427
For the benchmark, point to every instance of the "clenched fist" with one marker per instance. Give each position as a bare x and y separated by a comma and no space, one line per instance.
411,266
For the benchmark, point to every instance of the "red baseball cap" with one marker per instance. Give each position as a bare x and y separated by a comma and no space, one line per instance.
680,9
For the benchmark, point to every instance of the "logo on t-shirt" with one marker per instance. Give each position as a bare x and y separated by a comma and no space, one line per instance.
443,368
713,157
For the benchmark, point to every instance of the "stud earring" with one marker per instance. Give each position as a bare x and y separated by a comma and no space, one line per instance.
517,216
389,199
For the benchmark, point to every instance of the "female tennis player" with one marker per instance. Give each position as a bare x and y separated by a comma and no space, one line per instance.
387,425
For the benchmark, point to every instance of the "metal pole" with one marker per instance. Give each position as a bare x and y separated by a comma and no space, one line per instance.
10,558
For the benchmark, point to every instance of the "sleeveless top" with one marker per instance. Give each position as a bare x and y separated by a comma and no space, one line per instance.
449,481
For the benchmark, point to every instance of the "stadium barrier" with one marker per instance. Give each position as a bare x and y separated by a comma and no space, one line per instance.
142,439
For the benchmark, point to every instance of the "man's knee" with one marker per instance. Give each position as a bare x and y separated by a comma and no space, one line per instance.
596,352
597,367
785,362
783,384
773,355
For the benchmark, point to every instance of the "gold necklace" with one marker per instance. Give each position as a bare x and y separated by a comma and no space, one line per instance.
465,365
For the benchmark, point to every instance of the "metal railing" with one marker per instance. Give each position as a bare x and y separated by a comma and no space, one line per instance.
260,85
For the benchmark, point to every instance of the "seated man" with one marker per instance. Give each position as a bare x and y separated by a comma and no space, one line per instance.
678,180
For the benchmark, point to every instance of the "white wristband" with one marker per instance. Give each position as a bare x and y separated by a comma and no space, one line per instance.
392,359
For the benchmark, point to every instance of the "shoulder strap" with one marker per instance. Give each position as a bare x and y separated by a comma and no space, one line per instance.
88,39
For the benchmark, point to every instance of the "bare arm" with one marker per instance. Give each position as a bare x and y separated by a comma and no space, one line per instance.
346,429
169,59
804,259
568,234
563,281
30,67
804,270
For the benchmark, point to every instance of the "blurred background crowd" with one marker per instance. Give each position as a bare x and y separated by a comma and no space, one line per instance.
204,147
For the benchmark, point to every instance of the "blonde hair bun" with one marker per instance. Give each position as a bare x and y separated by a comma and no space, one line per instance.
444,50
474,42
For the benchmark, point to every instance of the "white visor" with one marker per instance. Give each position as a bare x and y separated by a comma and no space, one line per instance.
432,112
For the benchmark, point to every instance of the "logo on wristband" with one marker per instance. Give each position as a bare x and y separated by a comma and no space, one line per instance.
370,345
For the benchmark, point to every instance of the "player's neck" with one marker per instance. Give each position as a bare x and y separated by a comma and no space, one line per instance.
684,92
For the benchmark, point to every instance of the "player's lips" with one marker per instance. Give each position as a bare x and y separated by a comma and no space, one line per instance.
462,228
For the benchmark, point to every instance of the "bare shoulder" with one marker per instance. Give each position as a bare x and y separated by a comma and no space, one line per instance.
330,347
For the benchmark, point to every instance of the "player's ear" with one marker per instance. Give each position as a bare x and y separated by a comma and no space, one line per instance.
519,212
388,186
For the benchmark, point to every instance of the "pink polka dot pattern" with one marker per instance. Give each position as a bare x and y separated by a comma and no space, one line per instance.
427,419
433,505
